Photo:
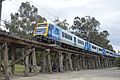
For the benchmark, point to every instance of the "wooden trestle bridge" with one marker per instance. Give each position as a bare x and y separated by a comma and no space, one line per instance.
65,59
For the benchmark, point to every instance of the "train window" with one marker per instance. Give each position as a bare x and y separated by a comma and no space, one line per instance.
56,31
63,34
41,25
70,37
93,47
80,42
100,49
66,36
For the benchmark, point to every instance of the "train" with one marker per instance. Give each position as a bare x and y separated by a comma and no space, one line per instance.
57,34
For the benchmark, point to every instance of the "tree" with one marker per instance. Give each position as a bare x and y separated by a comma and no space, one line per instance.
84,26
88,28
23,21
63,24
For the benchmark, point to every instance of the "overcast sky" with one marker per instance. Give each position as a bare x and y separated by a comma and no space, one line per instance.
107,12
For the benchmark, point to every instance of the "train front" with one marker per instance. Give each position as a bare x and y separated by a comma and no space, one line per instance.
41,29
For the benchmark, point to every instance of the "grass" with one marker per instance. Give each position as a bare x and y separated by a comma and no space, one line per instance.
19,68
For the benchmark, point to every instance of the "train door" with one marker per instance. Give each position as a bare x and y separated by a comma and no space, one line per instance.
86,46
103,51
75,40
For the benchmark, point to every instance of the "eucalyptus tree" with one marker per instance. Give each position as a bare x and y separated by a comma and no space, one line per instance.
82,27
63,24
88,28
23,21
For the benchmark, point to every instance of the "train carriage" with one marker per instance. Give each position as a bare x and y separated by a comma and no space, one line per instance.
57,34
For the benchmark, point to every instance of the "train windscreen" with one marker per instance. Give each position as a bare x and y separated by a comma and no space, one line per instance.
41,29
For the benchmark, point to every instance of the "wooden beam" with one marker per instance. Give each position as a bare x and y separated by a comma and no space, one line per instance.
83,61
99,63
13,51
93,62
34,61
5,60
66,62
67,57
44,64
61,61
49,61
70,62
26,63
0,60
96,63
78,60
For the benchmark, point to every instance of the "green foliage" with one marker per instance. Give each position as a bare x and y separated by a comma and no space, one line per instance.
84,26
23,21
63,24
88,29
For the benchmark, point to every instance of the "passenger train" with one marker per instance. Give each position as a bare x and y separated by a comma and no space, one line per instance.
55,33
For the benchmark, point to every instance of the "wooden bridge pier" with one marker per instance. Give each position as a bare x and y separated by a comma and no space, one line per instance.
44,62
83,62
93,62
0,61
70,62
13,53
5,62
61,61
66,62
104,63
30,62
74,58
96,63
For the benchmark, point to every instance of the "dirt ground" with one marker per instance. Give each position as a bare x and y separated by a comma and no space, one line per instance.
97,74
